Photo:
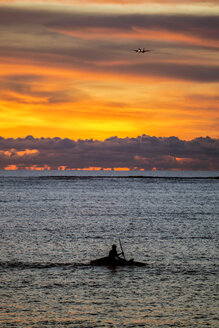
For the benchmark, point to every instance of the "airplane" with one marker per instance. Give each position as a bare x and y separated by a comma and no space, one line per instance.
141,50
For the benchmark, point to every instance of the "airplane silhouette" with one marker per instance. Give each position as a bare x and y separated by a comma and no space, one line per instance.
141,50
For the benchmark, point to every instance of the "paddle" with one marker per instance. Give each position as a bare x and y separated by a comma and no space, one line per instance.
121,248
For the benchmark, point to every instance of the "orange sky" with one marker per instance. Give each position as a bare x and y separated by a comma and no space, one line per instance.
70,71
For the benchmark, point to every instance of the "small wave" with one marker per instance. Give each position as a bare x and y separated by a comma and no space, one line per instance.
75,177
189,269
39,265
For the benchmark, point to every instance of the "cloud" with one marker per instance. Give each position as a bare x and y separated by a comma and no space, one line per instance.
51,37
28,88
148,1
143,152
201,73
202,26
72,65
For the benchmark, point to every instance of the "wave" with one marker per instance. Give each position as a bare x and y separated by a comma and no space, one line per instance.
39,265
152,267
55,177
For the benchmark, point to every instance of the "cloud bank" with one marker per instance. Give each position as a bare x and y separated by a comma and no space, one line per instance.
143,152
68,69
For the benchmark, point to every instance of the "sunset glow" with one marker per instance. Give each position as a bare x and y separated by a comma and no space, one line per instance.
68,70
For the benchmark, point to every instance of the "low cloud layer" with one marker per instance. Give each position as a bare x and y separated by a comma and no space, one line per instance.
143,152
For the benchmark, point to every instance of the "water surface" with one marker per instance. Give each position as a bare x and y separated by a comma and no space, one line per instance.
53,223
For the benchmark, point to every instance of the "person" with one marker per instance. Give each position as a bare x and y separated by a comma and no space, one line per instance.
113,255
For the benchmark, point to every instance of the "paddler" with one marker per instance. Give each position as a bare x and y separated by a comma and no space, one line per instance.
113,255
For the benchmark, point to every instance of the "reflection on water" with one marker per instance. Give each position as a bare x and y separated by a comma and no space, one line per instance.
51,228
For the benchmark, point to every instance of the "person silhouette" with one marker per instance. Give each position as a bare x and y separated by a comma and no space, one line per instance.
113,255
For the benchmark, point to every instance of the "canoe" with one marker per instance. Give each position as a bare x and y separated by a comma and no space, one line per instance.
105,261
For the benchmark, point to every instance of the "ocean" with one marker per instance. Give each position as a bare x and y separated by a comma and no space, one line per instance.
53,223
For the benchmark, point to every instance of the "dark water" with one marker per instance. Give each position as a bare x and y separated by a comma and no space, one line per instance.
53,223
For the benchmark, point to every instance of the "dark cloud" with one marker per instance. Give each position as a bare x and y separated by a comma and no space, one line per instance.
202,26
201,73
32,85
141,152
178,71
33,35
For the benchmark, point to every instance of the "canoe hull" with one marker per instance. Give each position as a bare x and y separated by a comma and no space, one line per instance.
105,261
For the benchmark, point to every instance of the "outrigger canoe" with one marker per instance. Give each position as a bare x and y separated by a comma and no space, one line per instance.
105,261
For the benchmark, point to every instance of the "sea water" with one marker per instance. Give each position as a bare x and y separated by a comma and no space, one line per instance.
53,223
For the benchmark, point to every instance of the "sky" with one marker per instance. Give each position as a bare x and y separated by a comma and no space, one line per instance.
68,72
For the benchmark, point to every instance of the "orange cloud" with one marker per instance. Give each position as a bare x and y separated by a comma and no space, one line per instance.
78,78
13,152
11,167
130,107
94,168
139,34
37,168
